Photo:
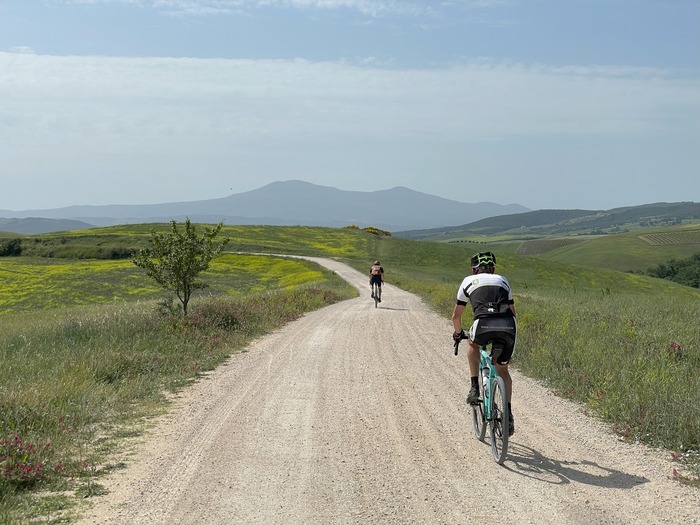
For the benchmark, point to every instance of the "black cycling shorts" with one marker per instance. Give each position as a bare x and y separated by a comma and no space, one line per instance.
501,329
375,279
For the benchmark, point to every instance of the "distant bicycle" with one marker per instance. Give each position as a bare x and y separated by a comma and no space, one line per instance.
376,278
492,409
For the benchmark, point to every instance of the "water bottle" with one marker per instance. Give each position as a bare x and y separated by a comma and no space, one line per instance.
485,378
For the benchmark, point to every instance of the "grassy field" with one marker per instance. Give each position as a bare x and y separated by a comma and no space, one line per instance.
545,245
628,252
111,242
90,347
631,251
90,350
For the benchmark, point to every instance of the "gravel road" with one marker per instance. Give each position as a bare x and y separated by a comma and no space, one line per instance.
357,415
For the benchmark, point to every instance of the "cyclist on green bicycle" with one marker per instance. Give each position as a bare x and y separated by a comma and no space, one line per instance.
376,275
491,299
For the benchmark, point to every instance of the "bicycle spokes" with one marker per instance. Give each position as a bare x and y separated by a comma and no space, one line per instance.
479,421
499,421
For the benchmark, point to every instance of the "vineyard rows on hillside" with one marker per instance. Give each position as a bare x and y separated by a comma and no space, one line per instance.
540,246
681,237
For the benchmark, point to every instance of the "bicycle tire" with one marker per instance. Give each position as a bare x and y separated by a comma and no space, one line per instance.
500,420
479,421
376,294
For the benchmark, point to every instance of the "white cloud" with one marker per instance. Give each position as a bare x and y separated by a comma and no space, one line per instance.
208,7
125,117
22,49
98,96
98,2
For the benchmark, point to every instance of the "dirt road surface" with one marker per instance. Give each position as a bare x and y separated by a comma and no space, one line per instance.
357,415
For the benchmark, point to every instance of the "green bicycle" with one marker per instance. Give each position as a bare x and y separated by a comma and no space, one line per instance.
492,409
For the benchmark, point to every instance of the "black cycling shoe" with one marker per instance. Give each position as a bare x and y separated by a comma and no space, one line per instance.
473,396
511,430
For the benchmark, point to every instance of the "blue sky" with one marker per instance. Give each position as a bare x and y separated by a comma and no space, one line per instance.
590,104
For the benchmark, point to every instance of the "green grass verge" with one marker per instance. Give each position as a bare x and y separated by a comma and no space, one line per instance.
76,380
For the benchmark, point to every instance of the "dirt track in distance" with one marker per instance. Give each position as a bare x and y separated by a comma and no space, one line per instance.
357,415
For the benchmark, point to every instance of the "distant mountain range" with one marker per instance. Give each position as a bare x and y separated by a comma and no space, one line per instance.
287,203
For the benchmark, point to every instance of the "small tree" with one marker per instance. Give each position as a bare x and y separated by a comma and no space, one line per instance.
11,248
177,258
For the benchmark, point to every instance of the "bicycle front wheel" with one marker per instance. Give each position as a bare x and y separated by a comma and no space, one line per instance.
479,421
500,420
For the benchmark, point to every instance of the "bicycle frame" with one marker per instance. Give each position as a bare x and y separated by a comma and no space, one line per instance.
487,375
492,409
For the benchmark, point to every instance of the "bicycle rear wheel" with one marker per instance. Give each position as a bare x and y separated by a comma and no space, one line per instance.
500,420
479,421
376,294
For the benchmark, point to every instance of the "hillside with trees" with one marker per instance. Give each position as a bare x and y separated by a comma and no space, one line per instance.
681,271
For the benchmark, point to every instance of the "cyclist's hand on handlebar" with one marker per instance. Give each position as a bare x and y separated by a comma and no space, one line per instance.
458,336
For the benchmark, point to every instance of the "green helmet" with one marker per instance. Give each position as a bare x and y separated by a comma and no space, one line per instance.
483,259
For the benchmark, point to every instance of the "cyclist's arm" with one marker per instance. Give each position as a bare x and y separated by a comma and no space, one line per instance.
457,316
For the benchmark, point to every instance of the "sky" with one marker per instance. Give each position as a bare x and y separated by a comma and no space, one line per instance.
550,104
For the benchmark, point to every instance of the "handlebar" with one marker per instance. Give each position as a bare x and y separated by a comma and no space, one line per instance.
456,345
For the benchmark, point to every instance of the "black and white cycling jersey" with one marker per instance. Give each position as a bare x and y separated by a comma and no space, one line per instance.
488,293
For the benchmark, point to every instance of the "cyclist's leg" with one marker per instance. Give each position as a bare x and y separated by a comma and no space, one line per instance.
508,338
508,383
504,332
473,358
502,364
376,279
507,380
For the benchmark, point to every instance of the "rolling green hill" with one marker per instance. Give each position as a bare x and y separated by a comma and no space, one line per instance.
632,239
31,225
626,252
566,222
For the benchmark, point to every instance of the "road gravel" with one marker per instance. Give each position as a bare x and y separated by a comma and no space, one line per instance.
357,415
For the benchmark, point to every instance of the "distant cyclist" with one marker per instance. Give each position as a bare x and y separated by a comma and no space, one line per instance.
491,299
376,275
